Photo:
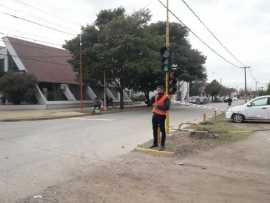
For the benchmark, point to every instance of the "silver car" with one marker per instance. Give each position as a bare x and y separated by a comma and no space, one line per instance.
257,109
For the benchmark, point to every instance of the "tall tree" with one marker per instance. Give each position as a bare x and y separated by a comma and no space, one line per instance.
213,89
268,89
197,88
127,47
117,43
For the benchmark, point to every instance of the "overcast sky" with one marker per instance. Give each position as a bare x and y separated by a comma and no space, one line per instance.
243,26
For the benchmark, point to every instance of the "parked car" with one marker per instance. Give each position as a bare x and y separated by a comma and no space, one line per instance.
226,99
254,110
198,100
193,100
218,99
204,100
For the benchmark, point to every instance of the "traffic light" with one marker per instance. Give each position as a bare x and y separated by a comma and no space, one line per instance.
172,83
165,59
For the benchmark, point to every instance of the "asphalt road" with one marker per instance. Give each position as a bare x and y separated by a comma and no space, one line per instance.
36,155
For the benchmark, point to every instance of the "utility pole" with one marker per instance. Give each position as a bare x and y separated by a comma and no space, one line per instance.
167,73
245,71
257,91
262,89
81,76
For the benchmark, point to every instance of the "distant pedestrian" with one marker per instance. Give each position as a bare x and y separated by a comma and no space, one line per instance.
110,102
96,105
3,99
161,105
229,100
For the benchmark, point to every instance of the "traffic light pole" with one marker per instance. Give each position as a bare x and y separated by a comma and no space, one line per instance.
167,72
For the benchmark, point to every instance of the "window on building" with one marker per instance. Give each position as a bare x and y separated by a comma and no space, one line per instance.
11,64
52,92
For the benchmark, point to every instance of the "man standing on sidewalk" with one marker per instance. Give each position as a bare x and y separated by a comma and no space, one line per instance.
161,105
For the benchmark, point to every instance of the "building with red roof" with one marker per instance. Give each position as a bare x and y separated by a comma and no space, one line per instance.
57,83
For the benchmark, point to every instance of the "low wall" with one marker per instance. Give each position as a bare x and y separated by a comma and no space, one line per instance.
53,105
67,104
22,107
49,105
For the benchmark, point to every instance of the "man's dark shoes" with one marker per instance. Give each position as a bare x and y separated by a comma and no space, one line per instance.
153,146
162,148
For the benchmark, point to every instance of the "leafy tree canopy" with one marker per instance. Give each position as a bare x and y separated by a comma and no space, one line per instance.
127,47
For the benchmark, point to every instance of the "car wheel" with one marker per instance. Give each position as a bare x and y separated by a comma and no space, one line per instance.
238,118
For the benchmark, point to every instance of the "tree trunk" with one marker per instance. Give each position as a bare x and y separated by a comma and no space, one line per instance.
146,93
121,98
121,95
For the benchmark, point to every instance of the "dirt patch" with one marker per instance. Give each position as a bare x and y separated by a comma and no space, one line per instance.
186,145
233,173
201,171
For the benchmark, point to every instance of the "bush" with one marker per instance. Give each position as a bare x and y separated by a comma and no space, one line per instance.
18,87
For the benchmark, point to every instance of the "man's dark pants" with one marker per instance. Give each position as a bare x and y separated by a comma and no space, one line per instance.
159,121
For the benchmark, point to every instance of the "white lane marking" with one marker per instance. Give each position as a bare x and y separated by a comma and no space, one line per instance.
92,119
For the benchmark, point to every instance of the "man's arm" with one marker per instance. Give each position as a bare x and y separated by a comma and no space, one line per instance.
166,106
152,101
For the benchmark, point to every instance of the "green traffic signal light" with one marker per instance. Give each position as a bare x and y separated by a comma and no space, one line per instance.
165,59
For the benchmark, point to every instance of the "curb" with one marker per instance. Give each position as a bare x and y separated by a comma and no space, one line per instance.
43,118
154,152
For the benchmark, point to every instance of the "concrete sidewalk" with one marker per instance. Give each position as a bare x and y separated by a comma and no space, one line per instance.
37,115
29,115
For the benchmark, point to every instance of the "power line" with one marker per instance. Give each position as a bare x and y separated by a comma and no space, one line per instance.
36,23
198,37
211,32
41,56
33,44
45,12
4,6
23,33
255,80
252,75
41,18
28,38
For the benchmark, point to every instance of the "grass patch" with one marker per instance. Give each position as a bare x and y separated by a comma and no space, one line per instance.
228,132
182,144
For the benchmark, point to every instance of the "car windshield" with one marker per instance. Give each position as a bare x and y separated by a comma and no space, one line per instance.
258,101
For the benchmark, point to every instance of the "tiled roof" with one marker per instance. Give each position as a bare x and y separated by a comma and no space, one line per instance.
47,64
